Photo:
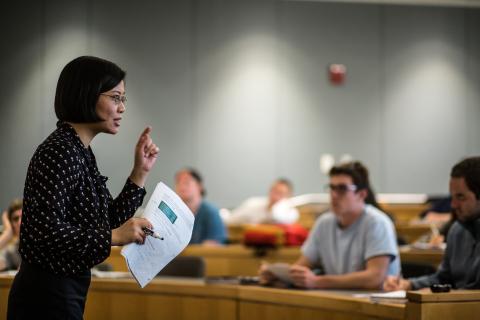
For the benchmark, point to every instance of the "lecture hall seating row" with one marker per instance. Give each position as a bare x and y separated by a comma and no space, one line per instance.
181,299
237,260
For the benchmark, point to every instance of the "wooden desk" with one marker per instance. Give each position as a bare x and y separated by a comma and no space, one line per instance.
404,213
308,213
401,212
428,256
411,232
232,260
408,231
190,299
235,233
237,260
257,303
459,304
118,299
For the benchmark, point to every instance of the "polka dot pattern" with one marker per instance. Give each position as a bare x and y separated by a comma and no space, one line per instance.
68,212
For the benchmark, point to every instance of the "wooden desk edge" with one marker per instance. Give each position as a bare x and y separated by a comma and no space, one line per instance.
320,300
452,296
243,294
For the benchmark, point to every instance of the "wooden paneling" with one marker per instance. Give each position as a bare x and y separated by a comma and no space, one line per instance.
4,289
457,304
261,311
329,304
118,299
453,296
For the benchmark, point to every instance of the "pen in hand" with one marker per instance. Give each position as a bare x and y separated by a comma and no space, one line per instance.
150,232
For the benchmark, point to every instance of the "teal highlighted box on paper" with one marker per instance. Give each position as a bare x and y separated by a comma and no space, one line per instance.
168,212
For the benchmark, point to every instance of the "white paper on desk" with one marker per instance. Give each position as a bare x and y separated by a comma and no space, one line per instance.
397,296
400,294
172,220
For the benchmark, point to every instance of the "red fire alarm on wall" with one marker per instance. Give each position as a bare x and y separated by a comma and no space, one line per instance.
337,73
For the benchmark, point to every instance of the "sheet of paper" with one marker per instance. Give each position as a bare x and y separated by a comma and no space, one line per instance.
281,271
386,297
400,294
173,221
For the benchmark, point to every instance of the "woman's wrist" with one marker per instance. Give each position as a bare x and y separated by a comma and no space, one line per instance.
115,239
138,177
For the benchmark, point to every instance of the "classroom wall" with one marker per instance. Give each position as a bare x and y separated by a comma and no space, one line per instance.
239,89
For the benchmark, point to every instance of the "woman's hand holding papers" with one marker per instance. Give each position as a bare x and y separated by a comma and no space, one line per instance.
130,231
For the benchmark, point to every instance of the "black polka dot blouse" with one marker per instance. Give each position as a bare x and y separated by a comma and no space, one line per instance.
68,212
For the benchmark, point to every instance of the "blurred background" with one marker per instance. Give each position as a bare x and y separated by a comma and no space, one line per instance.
242,90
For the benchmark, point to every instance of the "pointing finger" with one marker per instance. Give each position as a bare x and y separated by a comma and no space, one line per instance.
147,130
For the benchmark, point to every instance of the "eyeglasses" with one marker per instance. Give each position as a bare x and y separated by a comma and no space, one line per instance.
341,188
116,98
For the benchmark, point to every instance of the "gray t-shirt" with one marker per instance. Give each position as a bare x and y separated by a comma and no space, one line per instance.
340,251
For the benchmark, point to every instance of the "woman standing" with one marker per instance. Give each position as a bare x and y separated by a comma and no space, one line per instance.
70,220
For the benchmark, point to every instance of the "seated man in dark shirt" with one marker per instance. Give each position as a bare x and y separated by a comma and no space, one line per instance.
461,264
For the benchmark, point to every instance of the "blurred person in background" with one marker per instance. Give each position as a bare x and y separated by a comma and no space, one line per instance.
208,228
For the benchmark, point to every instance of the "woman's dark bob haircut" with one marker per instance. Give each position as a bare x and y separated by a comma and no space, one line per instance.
79,86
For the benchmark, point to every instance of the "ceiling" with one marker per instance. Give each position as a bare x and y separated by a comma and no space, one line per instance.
450,3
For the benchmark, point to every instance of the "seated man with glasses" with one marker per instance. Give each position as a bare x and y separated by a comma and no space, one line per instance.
353,246
9,257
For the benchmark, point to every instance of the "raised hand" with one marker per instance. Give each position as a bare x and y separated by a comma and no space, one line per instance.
146,153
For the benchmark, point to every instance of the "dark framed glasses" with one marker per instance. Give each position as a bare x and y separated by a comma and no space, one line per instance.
341,188
116,98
